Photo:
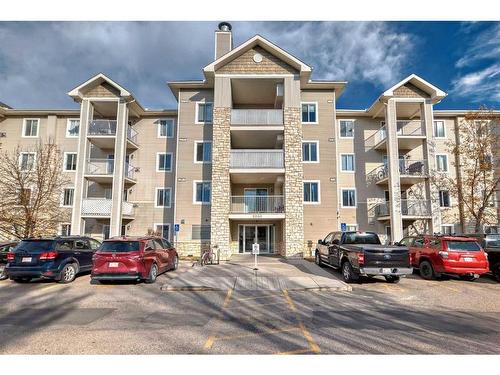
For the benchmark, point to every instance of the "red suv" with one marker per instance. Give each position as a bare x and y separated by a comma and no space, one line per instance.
436,255
133,258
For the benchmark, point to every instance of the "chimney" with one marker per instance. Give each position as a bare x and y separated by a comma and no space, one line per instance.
223,39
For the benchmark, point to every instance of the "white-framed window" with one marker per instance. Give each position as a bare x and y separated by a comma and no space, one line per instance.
65,229
163,229
27,161
444,198
310,151
69,161
73,128
346,128
163,197
439,129
67,198
31,127
442,162
347,162
350,227
166,128
312,193
491,229
348,197
309,113
204,112
447,229
164,162
202,152
202,192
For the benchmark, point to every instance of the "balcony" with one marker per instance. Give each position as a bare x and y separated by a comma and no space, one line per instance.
409,134
268,206
101,207
102,171
411,209
410,172
257,159
258,117
103,132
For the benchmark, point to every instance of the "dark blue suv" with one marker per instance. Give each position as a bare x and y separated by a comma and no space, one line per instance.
56,258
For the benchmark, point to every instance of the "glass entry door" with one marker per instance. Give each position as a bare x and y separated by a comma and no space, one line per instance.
261,234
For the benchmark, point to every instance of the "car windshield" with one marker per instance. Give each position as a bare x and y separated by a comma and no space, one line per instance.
119,246
463,245
362,238
30,245
493,240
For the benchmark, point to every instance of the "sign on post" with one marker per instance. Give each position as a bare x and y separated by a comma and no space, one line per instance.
177,227
343,227
255,251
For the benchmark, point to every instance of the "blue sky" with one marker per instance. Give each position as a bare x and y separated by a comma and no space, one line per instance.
41,61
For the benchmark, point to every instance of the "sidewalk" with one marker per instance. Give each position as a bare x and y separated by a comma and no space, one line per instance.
273,273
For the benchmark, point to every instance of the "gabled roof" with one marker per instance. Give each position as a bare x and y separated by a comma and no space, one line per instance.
434,92
97,80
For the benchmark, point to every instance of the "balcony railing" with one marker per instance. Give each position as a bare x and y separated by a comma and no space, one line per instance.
106,167
407,168
102,127
257,117
405,128
257,204
257,159
102,207
409,207
131,134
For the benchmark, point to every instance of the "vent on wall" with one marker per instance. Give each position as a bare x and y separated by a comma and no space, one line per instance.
3,134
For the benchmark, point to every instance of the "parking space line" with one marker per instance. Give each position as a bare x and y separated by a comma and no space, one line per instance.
298,351
262,333
258,297
211,339
248,306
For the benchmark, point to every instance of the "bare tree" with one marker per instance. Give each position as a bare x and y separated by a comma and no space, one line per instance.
31,186
476,148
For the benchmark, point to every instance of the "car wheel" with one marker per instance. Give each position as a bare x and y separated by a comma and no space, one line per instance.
21,279
176,263
317,259
68,273
496,271
469,277
426,270
153,273
392,279
348,273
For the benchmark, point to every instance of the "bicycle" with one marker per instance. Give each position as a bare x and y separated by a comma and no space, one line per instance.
209,256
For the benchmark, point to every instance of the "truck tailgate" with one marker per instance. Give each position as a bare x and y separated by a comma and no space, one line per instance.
387,258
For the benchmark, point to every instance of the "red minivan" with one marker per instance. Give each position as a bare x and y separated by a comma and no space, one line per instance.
436,255
133,258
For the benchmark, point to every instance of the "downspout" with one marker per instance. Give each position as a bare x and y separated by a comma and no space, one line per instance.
458,172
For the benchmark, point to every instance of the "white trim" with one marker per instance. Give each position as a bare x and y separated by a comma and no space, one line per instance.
436,92
158,125
21,159
169,229
342,197
353,127
68,121
434,129
76,90
62,197
197,105
317,114
447,162
60,228
317,152
65,159
349,225
194,192
319,192
447,225
169,200
158,162
246,76
449,199
102,99
353,162
271,227
37,127
176,161
195,143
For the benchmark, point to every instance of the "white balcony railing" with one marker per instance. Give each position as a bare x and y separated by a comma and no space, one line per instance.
102,127
257,159
405,128
102,207
106,167
131,134
257,117
257,204
409,207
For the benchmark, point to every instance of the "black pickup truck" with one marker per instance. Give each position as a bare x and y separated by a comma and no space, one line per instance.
361,254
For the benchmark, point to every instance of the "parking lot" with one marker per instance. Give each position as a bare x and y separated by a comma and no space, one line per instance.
413,316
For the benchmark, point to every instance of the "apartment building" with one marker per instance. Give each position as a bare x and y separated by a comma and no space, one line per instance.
256,152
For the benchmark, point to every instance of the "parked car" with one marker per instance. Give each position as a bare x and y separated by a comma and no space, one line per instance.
491,244
362,254
134,258
57,258
5,247
434,256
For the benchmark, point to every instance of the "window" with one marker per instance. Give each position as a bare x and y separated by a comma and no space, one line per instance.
311,192
348,197
439,129
166,128
204,113
30,128
200,232
72,128
309,113
69,161
203,152
447,229
347,162
490,229
27,161
202,192
346,129
164,162
444,198
163,230
94,245
65,229
310,152
68,194
163,196
352,228
442,163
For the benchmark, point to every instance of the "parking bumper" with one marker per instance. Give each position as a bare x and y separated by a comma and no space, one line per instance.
33,272
395,271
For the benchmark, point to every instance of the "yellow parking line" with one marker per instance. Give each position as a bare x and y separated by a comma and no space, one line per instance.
258,297
289,301
262,333
298,351
211,339
226,300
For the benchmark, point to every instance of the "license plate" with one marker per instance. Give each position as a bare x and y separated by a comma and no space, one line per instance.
26,260
468,259
386,270
113,264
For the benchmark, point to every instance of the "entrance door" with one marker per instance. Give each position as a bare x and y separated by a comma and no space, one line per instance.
261,234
